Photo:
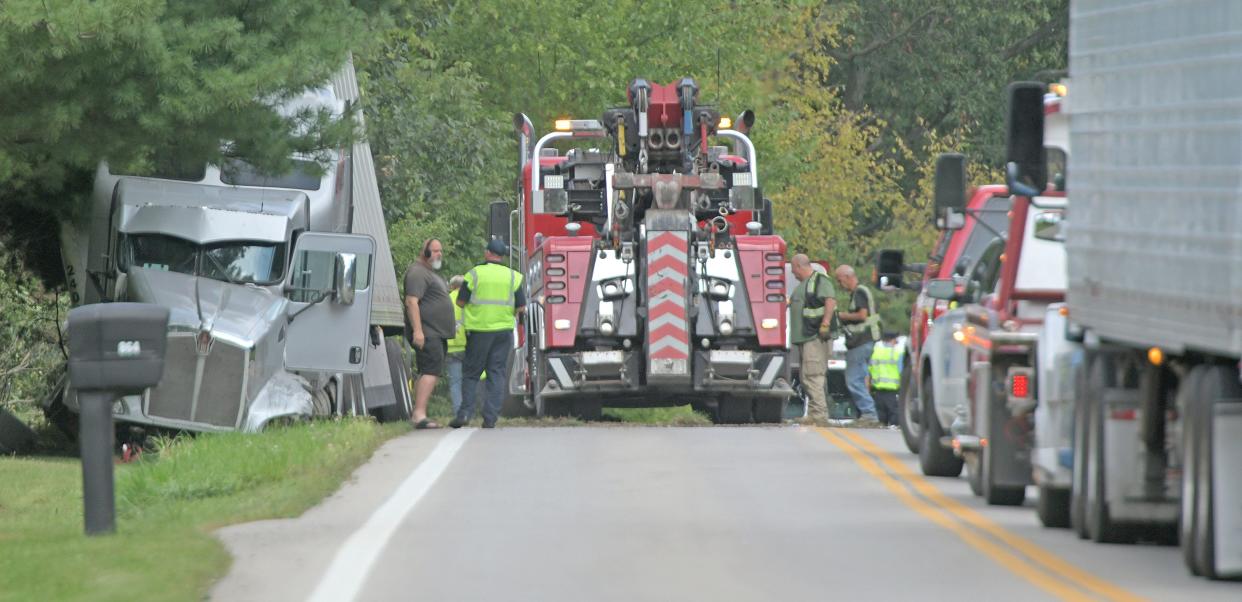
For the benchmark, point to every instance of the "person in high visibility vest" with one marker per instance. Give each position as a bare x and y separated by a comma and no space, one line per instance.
862,328
456,345
492,297
811,307
886,377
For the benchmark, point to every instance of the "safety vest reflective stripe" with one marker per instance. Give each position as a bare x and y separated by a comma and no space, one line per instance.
886,368
493,290
813,312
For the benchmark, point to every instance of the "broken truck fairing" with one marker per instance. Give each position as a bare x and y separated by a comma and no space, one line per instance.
221,271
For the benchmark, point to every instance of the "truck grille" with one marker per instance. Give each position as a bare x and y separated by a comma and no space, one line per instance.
222,388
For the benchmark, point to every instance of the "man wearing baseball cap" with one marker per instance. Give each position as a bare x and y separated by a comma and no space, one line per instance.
492,296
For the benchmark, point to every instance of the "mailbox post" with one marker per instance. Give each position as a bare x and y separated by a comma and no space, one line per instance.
114,349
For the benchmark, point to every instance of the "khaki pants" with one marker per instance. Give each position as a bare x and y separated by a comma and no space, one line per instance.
815,354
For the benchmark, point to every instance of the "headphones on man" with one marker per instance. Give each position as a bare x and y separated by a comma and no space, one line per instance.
427,247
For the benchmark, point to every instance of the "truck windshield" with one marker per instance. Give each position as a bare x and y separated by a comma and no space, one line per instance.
244,262
305,175
239,262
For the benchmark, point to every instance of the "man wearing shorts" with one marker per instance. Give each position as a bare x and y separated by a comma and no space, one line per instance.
429,324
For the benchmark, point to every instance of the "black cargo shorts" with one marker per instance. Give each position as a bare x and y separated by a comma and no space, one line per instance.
430,359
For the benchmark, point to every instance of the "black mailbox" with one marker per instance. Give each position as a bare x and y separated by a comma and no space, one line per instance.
117,347
114,349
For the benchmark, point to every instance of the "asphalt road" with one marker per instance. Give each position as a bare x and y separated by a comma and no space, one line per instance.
720,513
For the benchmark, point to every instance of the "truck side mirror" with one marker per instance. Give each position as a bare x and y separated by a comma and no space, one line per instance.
889,268
950,191
345,277
498,221
942,288
1026,168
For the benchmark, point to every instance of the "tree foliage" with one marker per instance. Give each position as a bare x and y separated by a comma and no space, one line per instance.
140,82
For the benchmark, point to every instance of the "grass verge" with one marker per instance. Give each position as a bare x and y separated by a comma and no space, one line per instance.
167,505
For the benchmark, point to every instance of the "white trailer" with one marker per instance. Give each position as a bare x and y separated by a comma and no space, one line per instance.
1154,255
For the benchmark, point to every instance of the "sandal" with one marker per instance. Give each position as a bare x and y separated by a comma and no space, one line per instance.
425,423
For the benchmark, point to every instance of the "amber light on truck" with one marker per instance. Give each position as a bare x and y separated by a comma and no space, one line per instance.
1019,385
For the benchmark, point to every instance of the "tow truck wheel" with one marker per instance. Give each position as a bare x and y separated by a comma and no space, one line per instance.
1188,403
907,411
768,409
1100,526
1053,507
733,410
588,409
935,459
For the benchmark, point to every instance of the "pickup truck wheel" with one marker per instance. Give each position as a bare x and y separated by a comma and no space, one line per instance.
907,411
403,409
1188,396
1053,507
974,472
935,459
1100,526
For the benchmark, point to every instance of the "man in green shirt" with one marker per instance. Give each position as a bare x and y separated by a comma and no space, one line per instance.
811,307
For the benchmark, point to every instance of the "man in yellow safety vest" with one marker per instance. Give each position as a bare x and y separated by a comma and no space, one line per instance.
492,296
886,377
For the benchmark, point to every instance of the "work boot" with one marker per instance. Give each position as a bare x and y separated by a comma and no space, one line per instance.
867,421
489,425
457,422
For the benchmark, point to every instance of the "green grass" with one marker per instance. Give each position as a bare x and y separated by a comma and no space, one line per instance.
167,505
676,416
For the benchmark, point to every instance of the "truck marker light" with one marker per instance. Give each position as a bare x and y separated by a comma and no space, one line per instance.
959,336
1020,385
724,124
1156,356
1064,311
769,323
564,125
561,324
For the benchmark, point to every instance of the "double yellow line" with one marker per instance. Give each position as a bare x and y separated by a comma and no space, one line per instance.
1040,567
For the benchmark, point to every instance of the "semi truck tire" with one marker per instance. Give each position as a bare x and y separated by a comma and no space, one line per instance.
1081,450
15,436
1100,526
935,459
403,409
1188,404
1219,382
907,417
1053,507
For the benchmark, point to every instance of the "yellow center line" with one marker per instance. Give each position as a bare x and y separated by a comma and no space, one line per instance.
997,553
1041,556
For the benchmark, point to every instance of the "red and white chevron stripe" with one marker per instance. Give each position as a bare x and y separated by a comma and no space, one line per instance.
668,331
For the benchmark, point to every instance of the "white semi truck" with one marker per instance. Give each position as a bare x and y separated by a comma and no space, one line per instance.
1154,261
280,288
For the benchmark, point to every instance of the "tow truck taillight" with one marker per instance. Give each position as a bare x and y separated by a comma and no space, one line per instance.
1019,385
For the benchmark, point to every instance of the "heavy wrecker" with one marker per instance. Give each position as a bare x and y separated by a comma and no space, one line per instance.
652,276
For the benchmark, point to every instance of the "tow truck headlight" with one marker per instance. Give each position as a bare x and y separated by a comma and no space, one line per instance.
614,288
726,328
606,328
719,289
561,324
769,323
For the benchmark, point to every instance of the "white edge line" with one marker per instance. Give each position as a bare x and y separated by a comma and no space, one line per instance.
353,561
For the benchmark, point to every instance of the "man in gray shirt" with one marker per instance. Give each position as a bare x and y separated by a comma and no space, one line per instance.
429,324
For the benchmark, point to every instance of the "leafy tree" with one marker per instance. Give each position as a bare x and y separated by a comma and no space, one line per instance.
147,82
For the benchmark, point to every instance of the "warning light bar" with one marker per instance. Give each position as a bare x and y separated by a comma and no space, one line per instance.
1020,385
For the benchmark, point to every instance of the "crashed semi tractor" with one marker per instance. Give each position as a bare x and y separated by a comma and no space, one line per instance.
1153,271
280,288
652,279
